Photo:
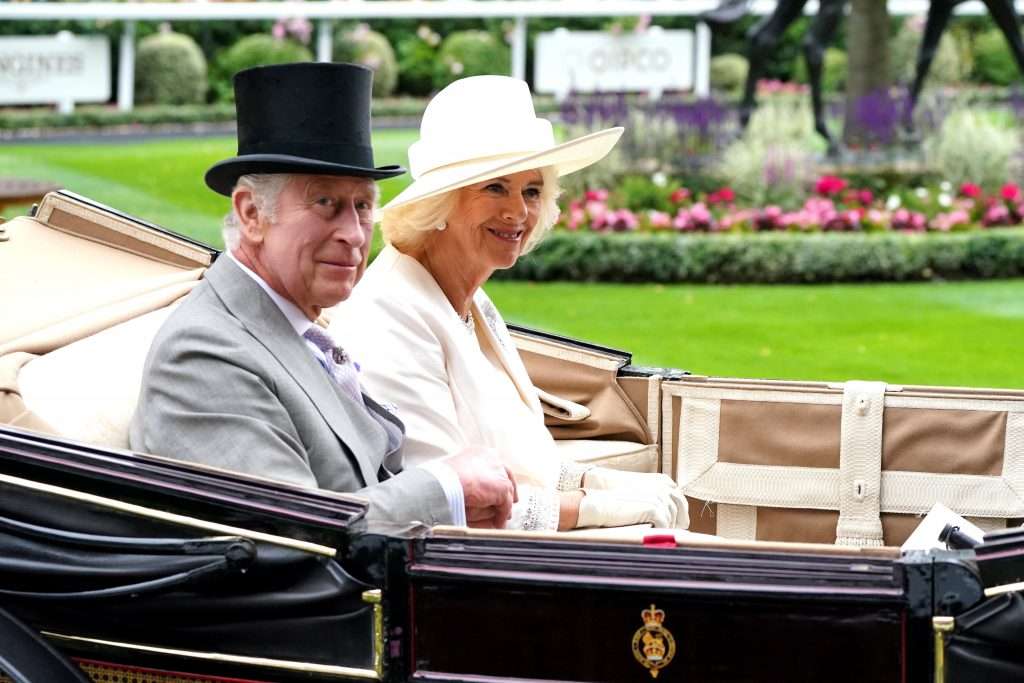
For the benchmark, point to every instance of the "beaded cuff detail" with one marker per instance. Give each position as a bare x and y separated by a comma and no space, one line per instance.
542,510
570,477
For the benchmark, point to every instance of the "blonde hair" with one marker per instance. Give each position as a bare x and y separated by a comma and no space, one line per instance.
407,227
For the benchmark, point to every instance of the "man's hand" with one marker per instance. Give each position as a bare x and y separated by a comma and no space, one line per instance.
487,485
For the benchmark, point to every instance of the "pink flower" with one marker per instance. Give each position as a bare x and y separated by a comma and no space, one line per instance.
723,195
738,219
623,220
642,23
970,190
912,221
279,31
995,215
701,217
841,221
801,220
876,218
596,210
301,29
1010,192
947,221
682,221
865,197
679,196
829,185
596,195
577,216
770,218
659,219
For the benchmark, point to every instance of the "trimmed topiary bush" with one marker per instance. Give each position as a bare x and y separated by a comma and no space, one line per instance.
729,73
773,257
833,71
361,45
256,50
993,62
169,69
470,53
416,56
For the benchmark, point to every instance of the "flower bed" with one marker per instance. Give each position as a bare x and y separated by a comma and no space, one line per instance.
840,233
835,206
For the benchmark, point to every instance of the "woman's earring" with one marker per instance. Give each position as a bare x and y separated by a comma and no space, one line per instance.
441,226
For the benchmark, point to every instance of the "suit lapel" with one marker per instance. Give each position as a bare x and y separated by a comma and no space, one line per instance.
417,277
245,300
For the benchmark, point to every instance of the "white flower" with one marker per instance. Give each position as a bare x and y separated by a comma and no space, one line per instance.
893,202
945,200
921,192
457,68
946,186
659,179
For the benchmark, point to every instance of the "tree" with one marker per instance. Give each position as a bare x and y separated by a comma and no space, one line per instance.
867,84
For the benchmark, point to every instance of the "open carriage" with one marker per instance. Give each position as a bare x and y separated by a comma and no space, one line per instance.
120,566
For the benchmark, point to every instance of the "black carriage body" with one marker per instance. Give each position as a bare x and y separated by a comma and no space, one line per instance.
455,606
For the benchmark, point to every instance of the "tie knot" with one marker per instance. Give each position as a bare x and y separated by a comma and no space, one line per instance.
323,341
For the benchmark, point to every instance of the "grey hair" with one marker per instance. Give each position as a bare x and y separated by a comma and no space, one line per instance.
408,226
266,189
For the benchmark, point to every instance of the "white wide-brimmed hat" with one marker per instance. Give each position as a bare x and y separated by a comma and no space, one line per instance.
485,127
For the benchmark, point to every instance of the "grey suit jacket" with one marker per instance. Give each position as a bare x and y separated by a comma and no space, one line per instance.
229,383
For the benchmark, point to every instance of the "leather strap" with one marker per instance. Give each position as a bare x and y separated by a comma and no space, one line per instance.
860,465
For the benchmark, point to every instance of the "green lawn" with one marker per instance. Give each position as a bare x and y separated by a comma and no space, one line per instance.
161,181
951,333
969,333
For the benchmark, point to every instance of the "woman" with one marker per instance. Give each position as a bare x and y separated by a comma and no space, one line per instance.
429,340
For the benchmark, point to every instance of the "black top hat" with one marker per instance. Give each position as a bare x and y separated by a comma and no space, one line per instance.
301,118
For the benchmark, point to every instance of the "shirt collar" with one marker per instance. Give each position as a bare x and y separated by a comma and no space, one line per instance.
296,318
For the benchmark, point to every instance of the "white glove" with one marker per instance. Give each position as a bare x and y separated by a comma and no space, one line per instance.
622,507
640,484
607,478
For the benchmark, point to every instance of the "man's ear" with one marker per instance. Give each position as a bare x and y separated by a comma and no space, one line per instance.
249,224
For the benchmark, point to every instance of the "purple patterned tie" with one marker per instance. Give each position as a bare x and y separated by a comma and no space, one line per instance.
338,364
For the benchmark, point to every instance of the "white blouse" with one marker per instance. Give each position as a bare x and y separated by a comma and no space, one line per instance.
453,386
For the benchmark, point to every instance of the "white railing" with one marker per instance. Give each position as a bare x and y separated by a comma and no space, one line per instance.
327,11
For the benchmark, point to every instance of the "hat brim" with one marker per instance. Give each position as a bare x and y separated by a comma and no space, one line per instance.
564,158
223,175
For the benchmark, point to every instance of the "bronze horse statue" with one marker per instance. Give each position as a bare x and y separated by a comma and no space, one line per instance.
764,37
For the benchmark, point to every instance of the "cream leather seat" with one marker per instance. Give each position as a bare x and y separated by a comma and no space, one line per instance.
617,455
87,390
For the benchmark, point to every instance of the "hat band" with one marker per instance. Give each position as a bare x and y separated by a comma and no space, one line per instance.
480,160
331,153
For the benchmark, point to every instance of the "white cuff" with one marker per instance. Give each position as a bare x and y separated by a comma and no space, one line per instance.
449,481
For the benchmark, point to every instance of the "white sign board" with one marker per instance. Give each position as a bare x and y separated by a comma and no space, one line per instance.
54,69
595,61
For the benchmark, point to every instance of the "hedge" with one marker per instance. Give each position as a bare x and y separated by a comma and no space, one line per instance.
773,257
100,116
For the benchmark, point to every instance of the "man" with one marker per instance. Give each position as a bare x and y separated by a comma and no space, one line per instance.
240,376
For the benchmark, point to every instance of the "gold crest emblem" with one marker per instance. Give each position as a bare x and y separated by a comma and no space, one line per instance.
653,644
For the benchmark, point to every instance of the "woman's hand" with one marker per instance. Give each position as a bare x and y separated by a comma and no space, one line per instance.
639,484
622,507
